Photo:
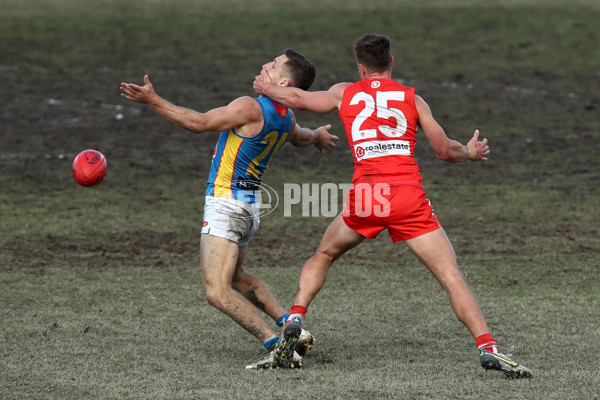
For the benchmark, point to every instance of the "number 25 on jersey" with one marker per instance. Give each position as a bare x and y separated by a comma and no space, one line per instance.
365,125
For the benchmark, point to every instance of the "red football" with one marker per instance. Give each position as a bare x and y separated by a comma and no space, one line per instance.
89,168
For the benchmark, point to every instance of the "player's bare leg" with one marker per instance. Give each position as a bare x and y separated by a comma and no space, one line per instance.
219,260
338,239
255,289
436,252
259,294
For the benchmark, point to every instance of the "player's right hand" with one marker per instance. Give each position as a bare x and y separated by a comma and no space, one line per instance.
258,84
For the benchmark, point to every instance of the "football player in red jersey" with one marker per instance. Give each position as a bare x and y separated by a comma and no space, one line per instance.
380,117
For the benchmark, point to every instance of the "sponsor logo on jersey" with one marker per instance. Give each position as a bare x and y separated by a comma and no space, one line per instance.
281,110
381,148
247,184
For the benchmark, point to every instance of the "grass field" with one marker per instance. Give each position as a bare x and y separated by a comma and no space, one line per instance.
101,288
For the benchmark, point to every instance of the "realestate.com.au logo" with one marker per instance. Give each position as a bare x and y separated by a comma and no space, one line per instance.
324,199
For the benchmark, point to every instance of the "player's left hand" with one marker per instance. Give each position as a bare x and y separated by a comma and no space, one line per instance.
140,94
479,148
325,140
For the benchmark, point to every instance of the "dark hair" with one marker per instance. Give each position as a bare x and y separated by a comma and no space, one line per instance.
373,51
302,71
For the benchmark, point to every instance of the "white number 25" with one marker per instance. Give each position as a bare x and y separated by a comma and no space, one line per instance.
383,111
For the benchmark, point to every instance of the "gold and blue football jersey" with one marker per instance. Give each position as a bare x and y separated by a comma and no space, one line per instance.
239,162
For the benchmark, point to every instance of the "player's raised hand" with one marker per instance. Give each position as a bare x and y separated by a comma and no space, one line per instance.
478,150
141,94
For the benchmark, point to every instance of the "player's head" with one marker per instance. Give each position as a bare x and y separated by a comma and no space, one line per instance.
301,70
290,69
373,51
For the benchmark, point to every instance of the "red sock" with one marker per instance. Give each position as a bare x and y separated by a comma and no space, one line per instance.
296,309
486,342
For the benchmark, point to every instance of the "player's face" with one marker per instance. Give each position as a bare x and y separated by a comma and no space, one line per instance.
273,70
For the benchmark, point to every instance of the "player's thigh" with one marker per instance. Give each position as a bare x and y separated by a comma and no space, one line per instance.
436,252
338,238
219,258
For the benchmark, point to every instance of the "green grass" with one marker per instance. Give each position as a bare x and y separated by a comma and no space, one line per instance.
70,7
101,288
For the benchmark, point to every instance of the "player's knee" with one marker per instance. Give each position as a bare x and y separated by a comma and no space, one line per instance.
453,281
214,302
325,257
215,297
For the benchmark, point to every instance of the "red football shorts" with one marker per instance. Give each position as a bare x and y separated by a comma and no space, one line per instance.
403,210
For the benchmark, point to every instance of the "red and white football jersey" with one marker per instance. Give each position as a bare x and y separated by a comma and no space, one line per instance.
380,119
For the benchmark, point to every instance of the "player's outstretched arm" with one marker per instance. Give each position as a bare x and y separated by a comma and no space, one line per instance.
448,149
320,102
239,112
